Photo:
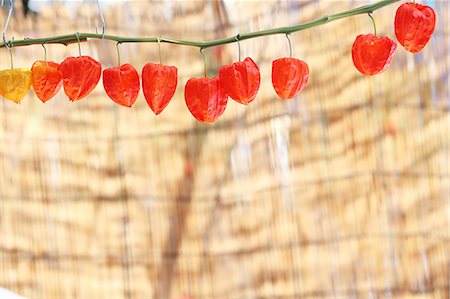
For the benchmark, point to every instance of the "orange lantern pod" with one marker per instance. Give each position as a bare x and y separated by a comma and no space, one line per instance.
240,80
80,76
371,54
289,77
414,24
46,79
15,84
205,98
159,83
122,84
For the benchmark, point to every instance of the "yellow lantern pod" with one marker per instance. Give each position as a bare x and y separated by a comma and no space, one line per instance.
15,84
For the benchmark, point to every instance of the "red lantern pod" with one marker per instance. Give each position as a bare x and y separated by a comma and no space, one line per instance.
46,79
122,84
205,98
371,54
289,77
414,24
240,80
80,76
159,83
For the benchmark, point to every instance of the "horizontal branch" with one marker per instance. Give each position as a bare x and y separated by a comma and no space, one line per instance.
73,38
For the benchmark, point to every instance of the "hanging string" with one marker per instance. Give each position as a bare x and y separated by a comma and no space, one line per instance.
373,22
290,46
159,50
204,61
239,45
100,12
11,8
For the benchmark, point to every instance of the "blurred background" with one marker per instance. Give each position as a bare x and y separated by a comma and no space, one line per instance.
342,192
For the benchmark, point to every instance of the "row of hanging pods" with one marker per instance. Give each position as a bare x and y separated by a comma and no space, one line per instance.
206,98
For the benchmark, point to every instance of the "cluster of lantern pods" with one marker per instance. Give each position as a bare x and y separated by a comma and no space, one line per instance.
414,24
206,98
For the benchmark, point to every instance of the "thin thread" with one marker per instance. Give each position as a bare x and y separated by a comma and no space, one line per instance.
100,11
11,8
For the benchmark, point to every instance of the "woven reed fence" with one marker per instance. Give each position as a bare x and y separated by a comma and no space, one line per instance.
340,193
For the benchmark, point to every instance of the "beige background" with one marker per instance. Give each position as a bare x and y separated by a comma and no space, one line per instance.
342,192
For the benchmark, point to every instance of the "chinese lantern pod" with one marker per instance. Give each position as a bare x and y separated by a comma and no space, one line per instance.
15,84
371,54
289,77
80,76
240,80
122,84
46,79
159,83
205,98
414,24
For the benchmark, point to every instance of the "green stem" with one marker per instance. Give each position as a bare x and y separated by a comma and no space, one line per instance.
79,44
10,57
118,53
73,38
159,50
45,52
373,22
204,61
239,45
290,46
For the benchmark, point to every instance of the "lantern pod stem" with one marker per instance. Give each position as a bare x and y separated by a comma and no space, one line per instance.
373,22
9,46
204,62
79,44
11,58
159,49
290,46
239,45
118,53
45,52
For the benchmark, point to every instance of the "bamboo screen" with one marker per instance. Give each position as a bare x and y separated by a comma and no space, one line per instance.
342,192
